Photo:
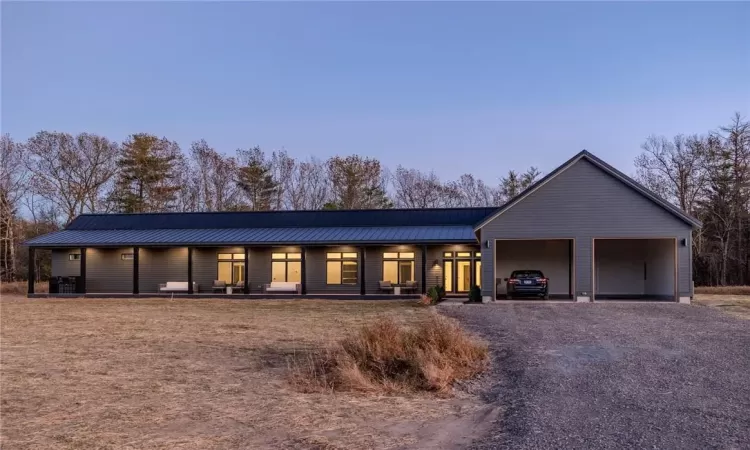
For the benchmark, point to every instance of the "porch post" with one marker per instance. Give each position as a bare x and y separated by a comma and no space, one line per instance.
136,287
303,273
424,269
82,288
247,271
362,289
190,269
32,270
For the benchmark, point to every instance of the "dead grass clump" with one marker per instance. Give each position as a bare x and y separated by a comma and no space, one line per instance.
723,290
386,357
22,287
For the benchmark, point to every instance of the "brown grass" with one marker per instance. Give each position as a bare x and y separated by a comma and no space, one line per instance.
737,305
155,373
385,356
22,287
723,290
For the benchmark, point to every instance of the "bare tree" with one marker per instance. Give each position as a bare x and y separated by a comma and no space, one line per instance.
71,172
13,187
414,189
307,187
213,178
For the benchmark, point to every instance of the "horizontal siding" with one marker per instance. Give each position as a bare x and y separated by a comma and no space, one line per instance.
107,272
584,202
62,266
158,266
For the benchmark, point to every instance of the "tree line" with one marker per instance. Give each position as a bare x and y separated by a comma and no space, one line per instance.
52,177
708,176
49,179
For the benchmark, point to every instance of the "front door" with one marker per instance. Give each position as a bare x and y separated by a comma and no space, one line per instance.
463,275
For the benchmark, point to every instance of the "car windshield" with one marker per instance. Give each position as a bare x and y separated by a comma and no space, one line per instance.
527,274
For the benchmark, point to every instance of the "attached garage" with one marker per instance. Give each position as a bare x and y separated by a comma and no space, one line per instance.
642,269
554,257
595,232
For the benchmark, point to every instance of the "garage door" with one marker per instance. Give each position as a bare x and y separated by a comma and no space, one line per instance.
635,269
554,257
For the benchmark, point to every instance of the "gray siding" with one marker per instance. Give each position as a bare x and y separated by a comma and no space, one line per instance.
159,265
62,266
584,202
107,272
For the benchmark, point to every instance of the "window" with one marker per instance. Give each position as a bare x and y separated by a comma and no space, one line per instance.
478,254
341,268
398,267
74,256
447,254
231,268
457,270
126,256
286,267
463,254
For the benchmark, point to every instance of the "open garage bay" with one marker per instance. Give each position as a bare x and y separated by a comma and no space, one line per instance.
554,257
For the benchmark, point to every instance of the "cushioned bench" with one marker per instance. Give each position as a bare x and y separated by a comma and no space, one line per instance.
177,286
282,286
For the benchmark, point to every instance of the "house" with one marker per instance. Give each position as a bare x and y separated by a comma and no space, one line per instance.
593,231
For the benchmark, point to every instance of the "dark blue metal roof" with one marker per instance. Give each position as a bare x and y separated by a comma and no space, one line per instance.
257,236
282,219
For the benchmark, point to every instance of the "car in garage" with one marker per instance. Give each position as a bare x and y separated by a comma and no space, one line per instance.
525,283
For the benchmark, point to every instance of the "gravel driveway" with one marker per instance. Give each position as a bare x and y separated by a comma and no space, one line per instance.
614,375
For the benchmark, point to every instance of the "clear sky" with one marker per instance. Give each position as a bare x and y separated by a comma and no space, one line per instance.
453,87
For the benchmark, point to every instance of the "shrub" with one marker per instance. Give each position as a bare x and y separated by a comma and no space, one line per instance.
386,357
436,293
475,294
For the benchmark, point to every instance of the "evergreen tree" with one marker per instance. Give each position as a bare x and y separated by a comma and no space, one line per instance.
256,180
148,178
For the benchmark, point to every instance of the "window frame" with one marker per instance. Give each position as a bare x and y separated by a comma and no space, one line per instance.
233,259
74,256
400,257
286,258
343,258
127,256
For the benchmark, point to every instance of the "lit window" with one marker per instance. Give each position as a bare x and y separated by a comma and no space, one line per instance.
74,256
230,267
400,269
447,254
282,269
463,254
341,268
478,254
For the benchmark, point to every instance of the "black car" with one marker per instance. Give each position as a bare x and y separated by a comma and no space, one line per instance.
527,283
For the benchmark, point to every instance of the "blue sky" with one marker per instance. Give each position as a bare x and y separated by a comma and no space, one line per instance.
451,87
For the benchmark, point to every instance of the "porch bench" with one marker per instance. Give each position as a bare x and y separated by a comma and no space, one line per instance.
282,286
177,286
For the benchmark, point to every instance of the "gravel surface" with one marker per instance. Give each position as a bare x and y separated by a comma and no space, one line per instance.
614,375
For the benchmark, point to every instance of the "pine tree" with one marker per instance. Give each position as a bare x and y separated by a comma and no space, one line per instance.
148,174
255,178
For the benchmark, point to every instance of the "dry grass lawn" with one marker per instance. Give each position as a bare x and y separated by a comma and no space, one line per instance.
156,373
738,305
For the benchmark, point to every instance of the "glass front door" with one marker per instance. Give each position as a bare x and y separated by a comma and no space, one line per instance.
463,276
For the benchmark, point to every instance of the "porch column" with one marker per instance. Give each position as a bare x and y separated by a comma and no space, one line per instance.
424,269
135,271
190,269
303,273
247,271
82,288
32,270
362,289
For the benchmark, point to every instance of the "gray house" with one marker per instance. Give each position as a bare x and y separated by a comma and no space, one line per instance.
593,231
